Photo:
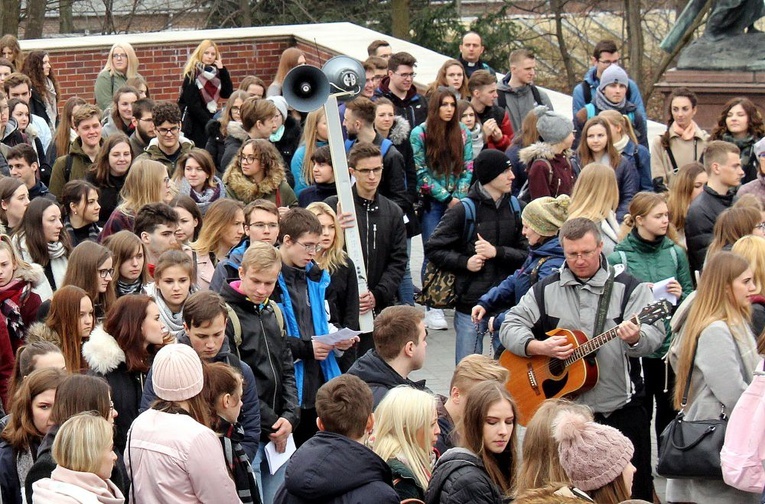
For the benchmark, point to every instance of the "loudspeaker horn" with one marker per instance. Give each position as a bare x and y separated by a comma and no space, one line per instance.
346,77
305,88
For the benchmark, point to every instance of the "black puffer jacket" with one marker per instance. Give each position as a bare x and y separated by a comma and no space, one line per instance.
460,478
333,469
265,349
215,143
700,223
498,224
380,377
383,242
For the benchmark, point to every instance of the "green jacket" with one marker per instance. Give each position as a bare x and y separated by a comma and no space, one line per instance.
80,165
106,85
154,153
404,481
653,262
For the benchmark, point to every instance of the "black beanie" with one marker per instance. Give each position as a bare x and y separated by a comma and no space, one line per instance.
490,164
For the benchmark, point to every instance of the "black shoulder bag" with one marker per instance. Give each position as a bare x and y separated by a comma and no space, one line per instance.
691,449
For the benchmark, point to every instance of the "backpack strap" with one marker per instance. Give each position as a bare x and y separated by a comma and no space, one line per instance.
68,168
469,228
534,275
671,157
586,91
348,145
590,108
545,323
673,253
385,146
278,315
536,95
623,258
237,325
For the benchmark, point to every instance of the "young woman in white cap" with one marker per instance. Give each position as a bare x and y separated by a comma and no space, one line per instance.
172,455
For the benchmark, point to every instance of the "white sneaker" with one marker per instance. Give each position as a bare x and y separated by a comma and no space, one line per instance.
434,319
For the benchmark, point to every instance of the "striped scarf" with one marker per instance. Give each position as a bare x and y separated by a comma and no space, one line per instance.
231,436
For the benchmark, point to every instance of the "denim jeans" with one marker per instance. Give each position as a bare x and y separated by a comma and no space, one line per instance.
406,288
267,484
429,221
469,340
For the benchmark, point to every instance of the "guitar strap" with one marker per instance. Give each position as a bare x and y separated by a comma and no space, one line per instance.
603,302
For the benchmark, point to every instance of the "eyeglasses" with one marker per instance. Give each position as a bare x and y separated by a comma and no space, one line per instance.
761,226
369,171
147,119
311,249
236,109
583,255
168,131
119,56
103,273
609,62
265,225
247,159
410,75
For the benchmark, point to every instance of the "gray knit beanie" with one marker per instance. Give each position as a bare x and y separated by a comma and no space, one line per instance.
553,127
592,455
614,74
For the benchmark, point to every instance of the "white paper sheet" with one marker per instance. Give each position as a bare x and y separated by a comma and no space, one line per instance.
660,291
276,459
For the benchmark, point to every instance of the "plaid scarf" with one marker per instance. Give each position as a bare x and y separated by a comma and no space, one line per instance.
231,436
208,82
10,308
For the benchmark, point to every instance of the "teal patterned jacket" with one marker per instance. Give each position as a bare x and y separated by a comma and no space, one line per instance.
439,187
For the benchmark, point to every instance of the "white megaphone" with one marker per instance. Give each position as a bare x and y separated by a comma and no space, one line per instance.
306,88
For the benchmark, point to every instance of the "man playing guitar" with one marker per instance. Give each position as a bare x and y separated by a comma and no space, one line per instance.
571,299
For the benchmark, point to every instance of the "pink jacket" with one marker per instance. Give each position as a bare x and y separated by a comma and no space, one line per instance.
72,487
173,458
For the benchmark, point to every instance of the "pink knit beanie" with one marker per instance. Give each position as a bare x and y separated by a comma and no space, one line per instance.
177,373
592,455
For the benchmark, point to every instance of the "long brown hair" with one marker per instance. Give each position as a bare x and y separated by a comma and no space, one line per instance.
732,224
220,379
100,168
82,271
287,61
62,139
63,319
20,432
33,68
124,245
124,323
444,145
756,127
680,191
441,80
586,155
502,468
714,302
31,229
26,361
79,393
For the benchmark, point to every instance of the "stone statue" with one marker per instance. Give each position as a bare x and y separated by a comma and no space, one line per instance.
729,42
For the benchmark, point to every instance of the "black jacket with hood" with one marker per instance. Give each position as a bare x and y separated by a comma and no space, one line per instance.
460,478
375,372
333,469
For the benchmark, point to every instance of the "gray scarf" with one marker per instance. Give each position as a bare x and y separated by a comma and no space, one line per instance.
601,102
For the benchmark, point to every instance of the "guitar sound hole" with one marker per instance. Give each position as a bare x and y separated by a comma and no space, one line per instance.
557,367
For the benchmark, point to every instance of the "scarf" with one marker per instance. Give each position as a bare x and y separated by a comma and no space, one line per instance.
50,102
24,462
686,134
93,231
125,288
10,308
745,145
601,102
231,436
277,135
208,82
620,144
56,250
329,367
206,197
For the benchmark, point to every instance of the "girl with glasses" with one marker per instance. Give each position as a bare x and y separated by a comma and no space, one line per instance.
257,172
91,267
121,65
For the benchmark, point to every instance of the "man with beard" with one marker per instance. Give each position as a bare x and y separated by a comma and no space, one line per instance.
143,122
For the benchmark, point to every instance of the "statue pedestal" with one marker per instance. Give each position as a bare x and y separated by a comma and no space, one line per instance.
714,88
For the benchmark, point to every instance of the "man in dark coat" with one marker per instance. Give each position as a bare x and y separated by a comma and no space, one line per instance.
399,88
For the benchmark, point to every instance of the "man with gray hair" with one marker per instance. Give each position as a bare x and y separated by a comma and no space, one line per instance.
572,299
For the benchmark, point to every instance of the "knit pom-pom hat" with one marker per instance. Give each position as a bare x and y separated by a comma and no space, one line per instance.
592,455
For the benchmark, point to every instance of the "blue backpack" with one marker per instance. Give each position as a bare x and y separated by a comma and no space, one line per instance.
469,229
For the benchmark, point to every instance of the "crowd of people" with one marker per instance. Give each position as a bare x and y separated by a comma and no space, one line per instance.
172,275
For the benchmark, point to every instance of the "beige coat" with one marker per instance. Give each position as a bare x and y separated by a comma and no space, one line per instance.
685,151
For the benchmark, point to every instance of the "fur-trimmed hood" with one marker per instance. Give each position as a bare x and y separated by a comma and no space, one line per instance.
40,332
236,130
32,273
101,351
400,130
244,189
539,150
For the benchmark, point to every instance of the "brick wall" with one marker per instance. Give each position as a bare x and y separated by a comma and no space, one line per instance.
162,66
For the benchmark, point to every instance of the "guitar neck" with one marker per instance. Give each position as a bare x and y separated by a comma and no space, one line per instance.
592,345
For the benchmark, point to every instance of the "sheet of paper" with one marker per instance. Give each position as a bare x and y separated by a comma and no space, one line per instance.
660,291
336,337
276,459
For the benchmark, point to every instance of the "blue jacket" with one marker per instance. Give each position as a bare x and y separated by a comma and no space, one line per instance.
228,269
249,417
641,159
511,290
590,78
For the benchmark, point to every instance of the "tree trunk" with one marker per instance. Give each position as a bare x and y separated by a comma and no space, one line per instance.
35,19
65,21
634,40
557,8
400,19
11,11
246,16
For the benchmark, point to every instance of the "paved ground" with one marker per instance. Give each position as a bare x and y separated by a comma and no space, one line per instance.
439,363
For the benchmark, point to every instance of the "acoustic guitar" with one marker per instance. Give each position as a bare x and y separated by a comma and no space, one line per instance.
536,378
